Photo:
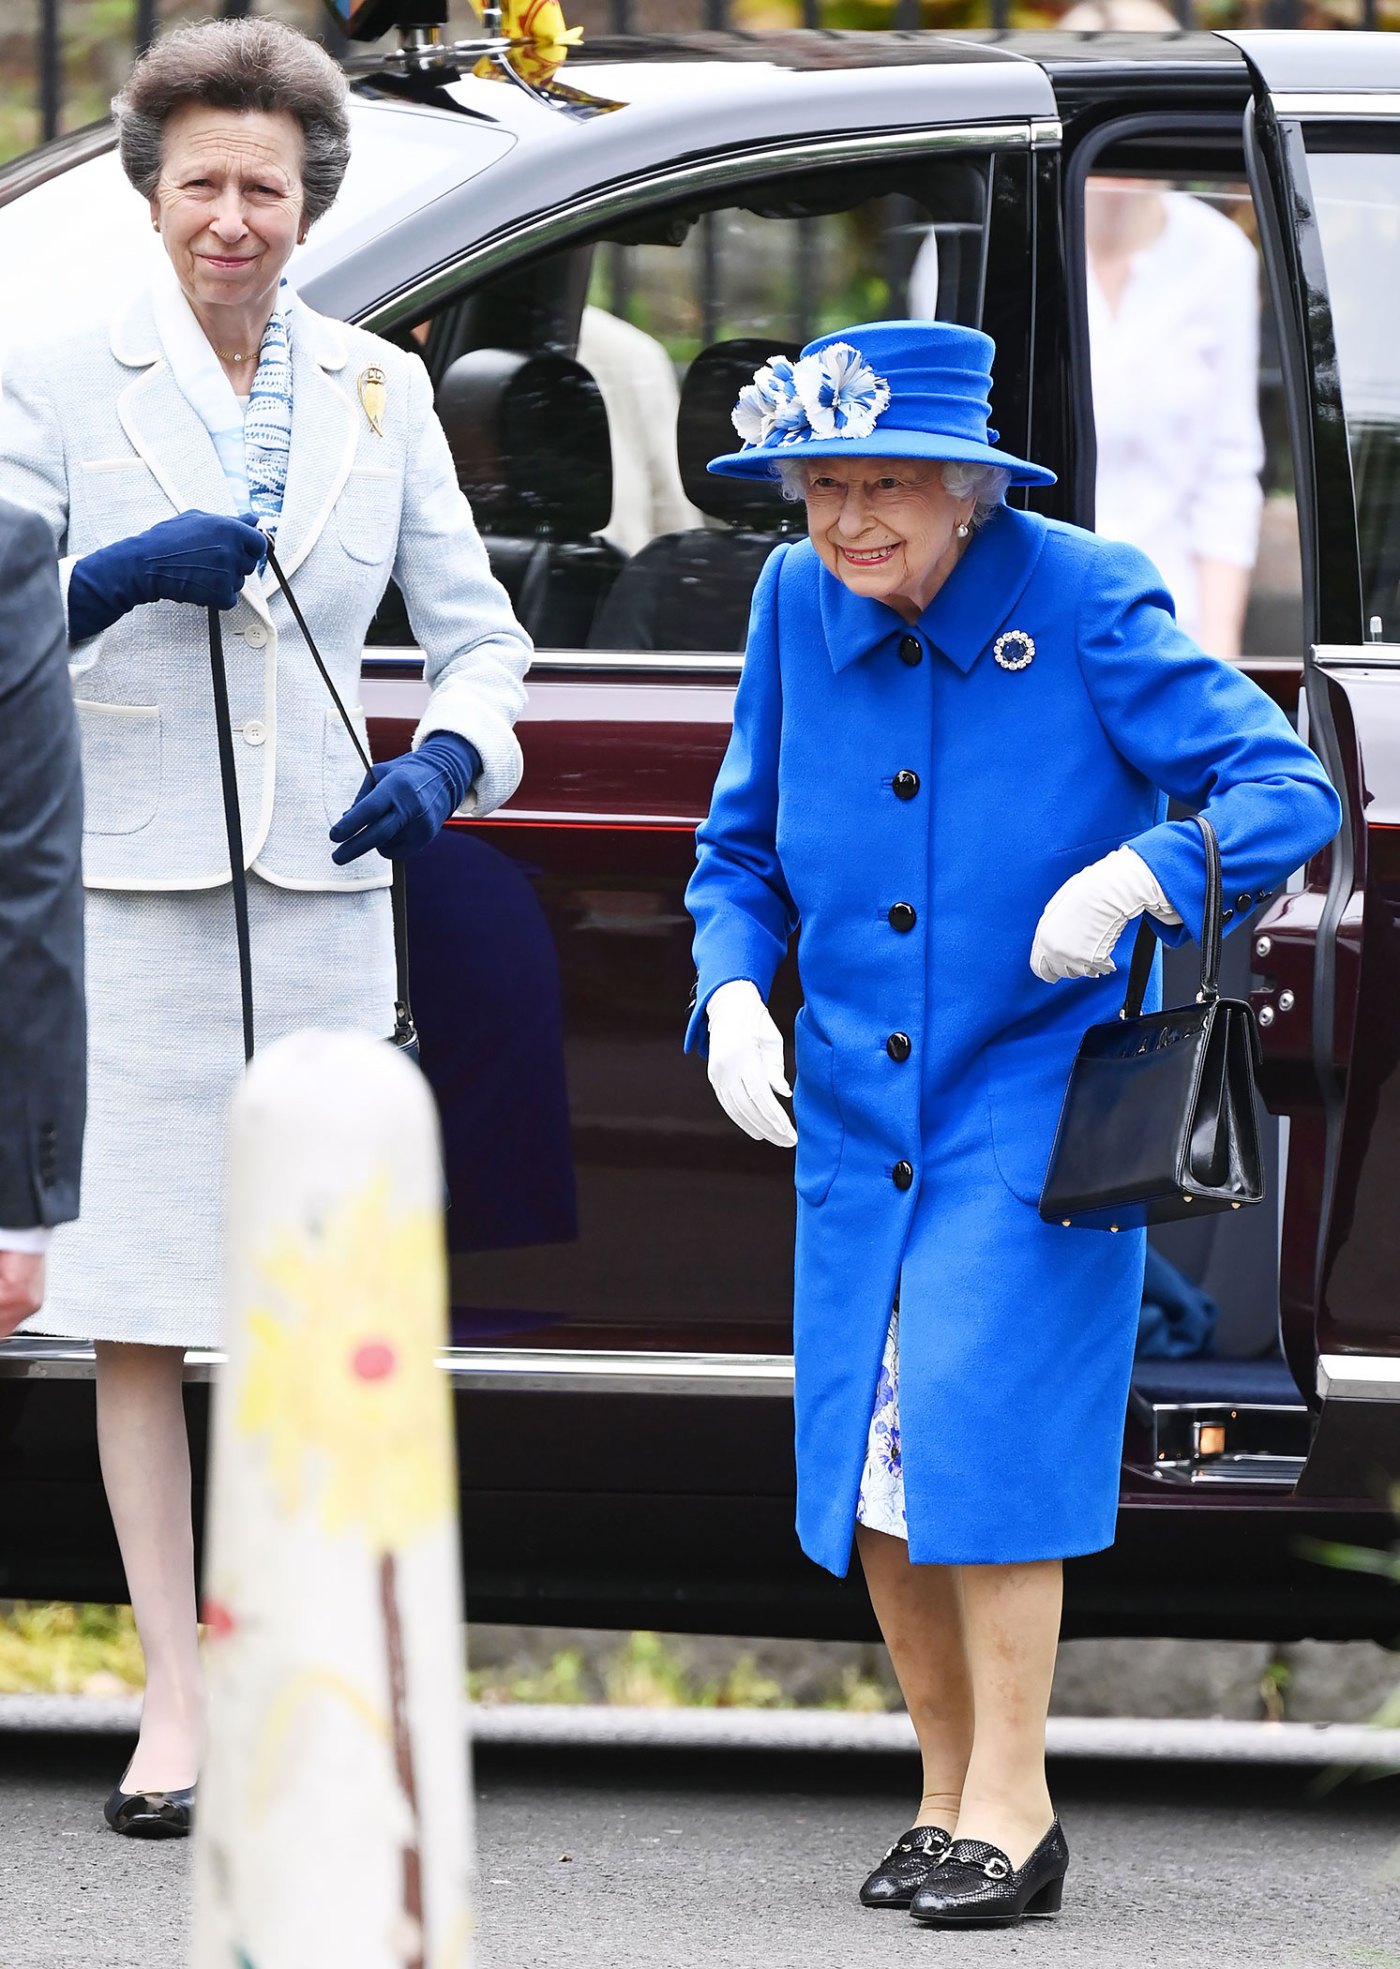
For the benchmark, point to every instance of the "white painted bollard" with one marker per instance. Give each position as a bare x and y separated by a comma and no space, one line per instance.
332,1825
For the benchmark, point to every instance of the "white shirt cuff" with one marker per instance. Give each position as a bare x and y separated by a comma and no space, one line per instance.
35,1241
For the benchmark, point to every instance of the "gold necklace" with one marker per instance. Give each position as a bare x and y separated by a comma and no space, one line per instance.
224,356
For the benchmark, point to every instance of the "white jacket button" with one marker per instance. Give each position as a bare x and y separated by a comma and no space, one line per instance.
255,732
255,635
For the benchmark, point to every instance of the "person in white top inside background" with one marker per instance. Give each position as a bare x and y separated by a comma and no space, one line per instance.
641,396
1173,298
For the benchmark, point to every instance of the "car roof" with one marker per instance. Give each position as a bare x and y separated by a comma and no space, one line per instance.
631,108
653,104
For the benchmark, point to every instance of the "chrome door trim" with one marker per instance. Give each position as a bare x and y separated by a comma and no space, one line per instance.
622,663
1359,106
569,1370
1222,1442
613,200
1356,656
1358,1377
483,1370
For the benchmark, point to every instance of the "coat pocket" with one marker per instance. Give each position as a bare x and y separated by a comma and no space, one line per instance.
121,746
342,774
1026,1082
821,1133
367,514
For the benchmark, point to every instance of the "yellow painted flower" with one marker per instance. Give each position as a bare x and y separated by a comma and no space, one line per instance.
339,1378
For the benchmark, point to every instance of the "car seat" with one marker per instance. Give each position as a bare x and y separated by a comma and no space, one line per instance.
529,437
691,590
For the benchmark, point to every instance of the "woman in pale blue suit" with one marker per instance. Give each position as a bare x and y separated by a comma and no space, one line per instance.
157,446
954,738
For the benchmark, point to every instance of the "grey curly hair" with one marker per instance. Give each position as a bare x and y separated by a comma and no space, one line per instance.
239,65
985,483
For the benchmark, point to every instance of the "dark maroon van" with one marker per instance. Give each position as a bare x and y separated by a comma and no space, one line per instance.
590,265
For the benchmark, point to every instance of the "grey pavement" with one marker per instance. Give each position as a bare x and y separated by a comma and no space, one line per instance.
735,1841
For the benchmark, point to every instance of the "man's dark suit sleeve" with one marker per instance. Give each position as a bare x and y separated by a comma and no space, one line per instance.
43,1028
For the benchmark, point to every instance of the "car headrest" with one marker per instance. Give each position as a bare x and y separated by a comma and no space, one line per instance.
704,430
529,437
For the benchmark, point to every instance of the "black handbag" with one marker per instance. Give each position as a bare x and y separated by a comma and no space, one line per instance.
405,1034
1159,1119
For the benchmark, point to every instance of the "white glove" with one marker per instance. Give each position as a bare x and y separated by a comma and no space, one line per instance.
1086,916
746,1063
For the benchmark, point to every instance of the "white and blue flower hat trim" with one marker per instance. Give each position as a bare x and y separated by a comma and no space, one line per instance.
891,389
834,393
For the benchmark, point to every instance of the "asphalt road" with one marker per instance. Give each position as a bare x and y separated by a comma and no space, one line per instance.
674,1857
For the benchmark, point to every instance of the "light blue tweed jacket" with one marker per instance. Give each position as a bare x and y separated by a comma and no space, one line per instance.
96,435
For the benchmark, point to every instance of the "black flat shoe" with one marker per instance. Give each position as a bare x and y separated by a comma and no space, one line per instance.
150,1814
975,1885
905,1867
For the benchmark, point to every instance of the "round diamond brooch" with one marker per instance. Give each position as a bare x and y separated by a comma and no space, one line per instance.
1022,642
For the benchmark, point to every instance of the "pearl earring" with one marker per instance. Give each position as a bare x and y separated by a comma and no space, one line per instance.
962,530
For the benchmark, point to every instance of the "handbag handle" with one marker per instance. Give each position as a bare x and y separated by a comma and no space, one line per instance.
1212,934
404,1030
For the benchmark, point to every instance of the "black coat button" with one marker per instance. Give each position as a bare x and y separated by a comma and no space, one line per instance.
903,1173
1242,903
906,785
899,1046
911,651
903,916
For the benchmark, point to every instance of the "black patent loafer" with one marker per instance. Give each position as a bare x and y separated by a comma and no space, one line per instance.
975,1885
150,1814
905,1867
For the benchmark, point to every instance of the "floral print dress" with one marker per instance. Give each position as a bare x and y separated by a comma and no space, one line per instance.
880,1504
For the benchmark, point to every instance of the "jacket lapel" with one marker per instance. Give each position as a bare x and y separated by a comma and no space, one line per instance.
162,425
325,435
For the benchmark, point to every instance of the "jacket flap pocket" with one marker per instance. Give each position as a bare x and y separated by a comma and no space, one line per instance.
121,746
821,1133
1026,1080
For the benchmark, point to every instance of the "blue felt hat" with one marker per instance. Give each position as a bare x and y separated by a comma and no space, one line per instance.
883,389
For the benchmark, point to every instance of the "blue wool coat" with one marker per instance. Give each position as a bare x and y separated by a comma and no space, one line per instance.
915,915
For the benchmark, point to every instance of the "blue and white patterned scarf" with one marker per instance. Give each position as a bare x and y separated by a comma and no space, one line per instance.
267,422
253,440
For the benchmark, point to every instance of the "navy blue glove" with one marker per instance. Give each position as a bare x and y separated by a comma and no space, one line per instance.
196,557
402,804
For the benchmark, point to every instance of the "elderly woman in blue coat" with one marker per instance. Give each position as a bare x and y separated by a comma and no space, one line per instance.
954,740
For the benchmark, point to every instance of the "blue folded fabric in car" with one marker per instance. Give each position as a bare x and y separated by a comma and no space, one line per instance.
1177,1320
402,803
197,557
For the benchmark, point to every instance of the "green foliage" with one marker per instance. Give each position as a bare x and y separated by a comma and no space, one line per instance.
861,1694
1273,1689
69,1650
563,1680
1381,1565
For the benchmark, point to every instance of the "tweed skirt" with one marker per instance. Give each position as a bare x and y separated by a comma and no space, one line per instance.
144,1261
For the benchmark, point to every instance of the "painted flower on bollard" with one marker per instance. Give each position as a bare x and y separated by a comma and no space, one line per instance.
342,1392
343,1353
832,394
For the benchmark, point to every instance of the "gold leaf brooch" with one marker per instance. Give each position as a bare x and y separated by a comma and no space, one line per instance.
372,397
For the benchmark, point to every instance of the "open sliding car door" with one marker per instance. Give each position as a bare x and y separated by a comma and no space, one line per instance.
1323,142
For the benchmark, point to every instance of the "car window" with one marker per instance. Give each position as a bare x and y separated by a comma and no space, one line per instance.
79,245
1193,464
583,394
1356,197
